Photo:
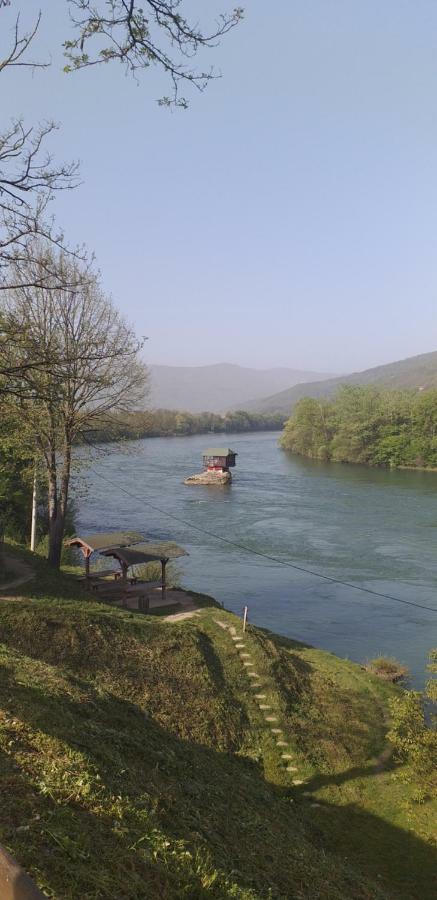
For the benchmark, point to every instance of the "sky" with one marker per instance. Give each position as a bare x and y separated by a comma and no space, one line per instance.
289,216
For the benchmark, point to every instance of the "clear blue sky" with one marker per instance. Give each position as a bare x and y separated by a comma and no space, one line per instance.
290,216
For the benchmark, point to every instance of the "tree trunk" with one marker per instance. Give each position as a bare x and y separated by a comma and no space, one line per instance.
56,534
58,508
56,525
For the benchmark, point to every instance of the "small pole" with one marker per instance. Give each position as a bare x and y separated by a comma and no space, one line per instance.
34,502
163,582
244,619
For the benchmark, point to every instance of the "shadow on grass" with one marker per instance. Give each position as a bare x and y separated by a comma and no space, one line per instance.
148,787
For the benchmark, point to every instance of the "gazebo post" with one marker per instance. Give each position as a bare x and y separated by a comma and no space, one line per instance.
87,563
124,568
163,582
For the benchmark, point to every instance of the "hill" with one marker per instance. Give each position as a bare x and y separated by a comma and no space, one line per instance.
217,388
413,372
138,762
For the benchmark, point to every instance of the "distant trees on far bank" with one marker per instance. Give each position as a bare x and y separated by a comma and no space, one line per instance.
369,425
170,423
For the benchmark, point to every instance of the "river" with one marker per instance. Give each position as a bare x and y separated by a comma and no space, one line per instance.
373,527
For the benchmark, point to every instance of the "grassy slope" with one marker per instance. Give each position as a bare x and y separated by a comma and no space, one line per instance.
135,763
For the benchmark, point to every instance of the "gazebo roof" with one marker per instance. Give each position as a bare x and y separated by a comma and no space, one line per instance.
146,552
105,540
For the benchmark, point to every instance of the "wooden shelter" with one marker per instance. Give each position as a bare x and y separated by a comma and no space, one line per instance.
96,543
146,552
219,459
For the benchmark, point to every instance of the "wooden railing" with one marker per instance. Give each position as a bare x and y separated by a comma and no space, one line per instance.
14,883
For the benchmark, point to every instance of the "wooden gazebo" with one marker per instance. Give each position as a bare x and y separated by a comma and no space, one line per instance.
146,552
128,548
96,543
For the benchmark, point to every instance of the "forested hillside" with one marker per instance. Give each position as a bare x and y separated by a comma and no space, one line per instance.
415,372
366,425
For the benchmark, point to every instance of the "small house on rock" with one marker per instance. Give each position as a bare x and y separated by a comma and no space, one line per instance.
218,459
216,464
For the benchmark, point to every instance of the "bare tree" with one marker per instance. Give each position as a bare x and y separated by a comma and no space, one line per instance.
90,367
28,175
158,34
152,32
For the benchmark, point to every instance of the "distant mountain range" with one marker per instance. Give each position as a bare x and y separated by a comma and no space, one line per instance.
218,388
414,372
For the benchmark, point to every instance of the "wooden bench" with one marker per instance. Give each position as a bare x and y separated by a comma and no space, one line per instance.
141,591
95,578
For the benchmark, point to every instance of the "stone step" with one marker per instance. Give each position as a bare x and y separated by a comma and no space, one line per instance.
271,718
276,730
247,663
245,655
281,744
292,769
240,646
253,674
261,696
286,756
264,706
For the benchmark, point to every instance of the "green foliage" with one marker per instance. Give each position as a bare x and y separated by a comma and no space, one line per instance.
170,423
367,425
152,572
431,688
16,475
414,739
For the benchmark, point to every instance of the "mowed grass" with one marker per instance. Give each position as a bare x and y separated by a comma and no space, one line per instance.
135,761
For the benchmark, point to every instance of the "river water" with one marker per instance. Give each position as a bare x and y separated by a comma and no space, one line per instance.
373,527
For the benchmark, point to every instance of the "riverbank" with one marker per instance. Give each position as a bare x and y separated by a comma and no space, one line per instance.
144,763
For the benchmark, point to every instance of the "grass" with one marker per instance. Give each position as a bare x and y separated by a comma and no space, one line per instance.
135,761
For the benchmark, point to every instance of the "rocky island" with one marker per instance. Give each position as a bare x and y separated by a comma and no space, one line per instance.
216,464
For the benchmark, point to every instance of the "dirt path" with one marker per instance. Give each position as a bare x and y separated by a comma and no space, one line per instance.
189,608
23,573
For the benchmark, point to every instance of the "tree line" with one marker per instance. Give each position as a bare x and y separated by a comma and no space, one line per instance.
170,423
370,425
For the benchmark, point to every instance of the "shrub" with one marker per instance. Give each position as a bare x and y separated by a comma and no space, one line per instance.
388,668
415,740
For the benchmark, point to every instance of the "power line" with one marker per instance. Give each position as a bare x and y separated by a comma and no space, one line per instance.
259,553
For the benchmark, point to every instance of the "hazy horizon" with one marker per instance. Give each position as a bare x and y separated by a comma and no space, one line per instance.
289,217
225,362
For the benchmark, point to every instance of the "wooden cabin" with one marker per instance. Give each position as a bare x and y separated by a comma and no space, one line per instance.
219,459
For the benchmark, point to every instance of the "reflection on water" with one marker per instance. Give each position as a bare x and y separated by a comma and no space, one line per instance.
374,527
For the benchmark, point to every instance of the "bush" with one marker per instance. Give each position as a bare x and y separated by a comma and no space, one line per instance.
152,572
414,740
388,668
